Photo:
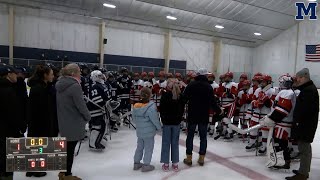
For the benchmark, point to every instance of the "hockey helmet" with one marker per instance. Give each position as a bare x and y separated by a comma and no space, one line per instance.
178,75
144,74
190,73
123,70
266,78
258,74
244,76
97,76
285,81
222,76
161,74
136,75
151,74
211,75
170,75
229,74
256,78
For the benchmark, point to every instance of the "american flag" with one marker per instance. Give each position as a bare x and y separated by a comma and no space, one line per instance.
313,53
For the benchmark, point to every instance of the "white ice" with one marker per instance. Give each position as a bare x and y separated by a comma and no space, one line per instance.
225,161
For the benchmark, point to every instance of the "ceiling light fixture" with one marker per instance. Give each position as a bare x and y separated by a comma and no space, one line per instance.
312,0
171,18
257,34
109,5
219,26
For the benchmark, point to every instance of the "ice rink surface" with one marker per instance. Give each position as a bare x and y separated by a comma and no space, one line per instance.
224,161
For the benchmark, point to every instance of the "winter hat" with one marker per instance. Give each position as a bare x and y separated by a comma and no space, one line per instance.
202,71
304,73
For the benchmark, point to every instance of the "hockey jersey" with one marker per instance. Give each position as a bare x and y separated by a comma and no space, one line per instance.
135,92
249,100
229,93
157,90
85,85
98,95
262,103
124,87
243,103
282,110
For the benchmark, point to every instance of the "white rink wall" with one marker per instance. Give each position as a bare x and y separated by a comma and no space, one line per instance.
278,55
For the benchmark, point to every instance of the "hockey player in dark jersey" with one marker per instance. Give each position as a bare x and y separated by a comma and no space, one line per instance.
124,87
85,79
98,97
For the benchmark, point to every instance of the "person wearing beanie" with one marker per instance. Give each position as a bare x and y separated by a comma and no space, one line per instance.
305,121
200,98
146,118
10,111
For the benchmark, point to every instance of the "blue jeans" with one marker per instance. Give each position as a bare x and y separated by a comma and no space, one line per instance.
202,128
170,137
145,145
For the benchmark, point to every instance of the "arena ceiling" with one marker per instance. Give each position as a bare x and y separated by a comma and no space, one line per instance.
195,18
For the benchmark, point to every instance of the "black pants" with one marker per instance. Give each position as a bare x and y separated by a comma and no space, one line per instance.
71,146
202,128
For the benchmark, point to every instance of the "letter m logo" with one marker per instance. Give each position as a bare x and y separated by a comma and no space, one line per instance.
310,10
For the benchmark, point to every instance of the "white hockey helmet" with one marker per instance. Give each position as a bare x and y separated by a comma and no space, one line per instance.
97,76
285,81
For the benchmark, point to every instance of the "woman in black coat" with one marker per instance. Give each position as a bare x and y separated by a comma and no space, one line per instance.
42,113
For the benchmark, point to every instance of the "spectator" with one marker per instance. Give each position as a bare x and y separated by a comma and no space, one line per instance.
200,98
41,114
11,124
171,111
305,122
73,113
22,94
146,117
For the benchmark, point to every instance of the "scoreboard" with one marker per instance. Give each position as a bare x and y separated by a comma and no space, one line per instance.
36,154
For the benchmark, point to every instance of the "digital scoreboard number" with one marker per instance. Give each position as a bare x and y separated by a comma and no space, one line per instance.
36,154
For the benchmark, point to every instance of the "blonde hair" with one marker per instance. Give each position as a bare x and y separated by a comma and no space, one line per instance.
70,70
145,95
173,85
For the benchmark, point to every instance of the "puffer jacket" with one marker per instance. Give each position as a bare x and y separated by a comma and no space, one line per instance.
146,118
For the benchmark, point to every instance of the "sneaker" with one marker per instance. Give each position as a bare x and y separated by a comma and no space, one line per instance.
165,167
175,167
137,166
147,168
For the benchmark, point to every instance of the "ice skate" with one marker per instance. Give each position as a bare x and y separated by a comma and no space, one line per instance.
251,147
262,151
285,168
228,138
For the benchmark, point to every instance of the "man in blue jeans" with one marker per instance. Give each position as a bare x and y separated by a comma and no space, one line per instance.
200,98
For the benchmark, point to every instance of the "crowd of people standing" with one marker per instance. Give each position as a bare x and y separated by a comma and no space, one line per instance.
62,102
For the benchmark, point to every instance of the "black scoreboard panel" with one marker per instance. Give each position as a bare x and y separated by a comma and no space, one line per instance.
36,154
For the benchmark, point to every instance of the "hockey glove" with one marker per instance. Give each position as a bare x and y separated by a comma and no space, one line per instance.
267,122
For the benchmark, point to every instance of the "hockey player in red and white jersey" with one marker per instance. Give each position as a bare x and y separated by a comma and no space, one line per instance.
281,118
236,117
145,80
212,118
229,93
182,84
158,87
261,107
243,103
255,85
137,84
